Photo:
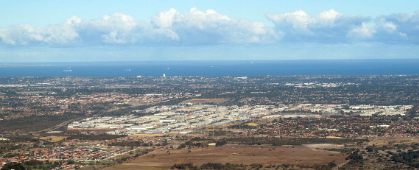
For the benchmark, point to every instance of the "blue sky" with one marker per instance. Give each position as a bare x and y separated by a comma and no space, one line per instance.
79,30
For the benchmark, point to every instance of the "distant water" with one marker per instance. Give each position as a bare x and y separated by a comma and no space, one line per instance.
213,68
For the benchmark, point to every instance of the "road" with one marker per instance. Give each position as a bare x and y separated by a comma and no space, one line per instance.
57,126
340,165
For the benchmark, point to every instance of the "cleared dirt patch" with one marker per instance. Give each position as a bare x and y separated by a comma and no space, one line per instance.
235,154
208,100
53,138
324,146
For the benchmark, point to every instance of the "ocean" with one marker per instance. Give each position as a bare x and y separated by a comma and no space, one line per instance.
212,68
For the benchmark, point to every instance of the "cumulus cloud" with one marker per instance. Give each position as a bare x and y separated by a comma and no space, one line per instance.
62,33
399,27
22,34
167,27
327,26
110,29
210,27
362,32
206,27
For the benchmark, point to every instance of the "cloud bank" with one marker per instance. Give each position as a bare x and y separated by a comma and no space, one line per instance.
327,26
208,27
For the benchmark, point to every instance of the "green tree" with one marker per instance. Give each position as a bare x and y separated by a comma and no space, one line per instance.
13,165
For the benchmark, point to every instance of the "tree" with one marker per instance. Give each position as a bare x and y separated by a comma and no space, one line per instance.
13,165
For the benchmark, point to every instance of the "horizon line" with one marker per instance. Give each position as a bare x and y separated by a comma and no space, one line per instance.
206,60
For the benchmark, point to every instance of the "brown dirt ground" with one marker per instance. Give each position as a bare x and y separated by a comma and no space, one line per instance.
209,100
235,154
53,138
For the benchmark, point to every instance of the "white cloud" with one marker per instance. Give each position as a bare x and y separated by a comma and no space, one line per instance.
165,18
206,27
20,35
293,22
327,26
328,17
399,27
389,27
63,33
168,27
362,32
59,34
114,29
110,29
210,27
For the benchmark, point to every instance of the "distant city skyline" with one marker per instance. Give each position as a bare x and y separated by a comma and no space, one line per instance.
85,31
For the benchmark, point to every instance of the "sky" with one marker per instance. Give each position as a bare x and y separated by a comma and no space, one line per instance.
137,30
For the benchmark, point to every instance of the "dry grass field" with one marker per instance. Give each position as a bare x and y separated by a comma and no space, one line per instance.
235,154
54,138
381,141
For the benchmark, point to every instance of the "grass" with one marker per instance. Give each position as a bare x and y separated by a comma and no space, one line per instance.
53,138
235,154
